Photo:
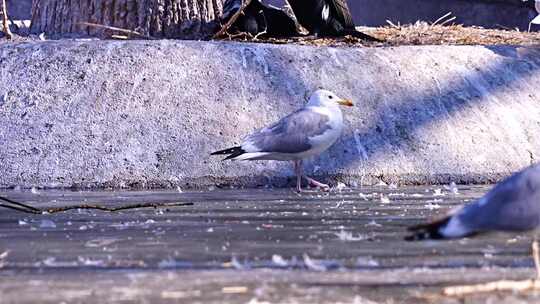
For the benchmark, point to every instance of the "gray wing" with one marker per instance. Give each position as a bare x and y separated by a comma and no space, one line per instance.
290,134
513,204
342,12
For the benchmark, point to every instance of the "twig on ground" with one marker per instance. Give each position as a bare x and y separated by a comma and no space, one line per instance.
29,209
231,21
120,37
503,285
113,209
5,24
392,24
18,206
448,21
118,29
265,29
242,35
256,37
442,18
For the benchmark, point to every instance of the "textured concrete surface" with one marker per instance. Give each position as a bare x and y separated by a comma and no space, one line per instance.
148,113
251,246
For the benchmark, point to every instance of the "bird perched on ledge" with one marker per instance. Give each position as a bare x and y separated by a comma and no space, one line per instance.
302,134
512,205
536,19
327,18
259,18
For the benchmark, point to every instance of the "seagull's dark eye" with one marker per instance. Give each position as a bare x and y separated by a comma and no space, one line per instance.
330,96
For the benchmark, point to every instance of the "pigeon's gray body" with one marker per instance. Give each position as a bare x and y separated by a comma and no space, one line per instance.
512,205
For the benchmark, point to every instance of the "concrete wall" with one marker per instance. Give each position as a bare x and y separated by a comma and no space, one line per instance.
148,113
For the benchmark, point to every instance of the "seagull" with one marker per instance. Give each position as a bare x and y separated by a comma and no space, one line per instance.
512,205
304,133
327,18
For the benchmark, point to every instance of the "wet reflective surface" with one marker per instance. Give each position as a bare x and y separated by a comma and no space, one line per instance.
248,246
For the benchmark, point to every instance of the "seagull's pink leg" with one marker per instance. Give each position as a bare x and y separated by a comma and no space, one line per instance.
298,171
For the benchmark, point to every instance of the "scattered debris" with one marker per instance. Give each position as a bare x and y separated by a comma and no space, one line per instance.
340,187
372,223
366,262
279,260
384,199
432,206
438,192
167,263
452,188
101,242
234,289
47,224
313,264
83,261
347,236
234,263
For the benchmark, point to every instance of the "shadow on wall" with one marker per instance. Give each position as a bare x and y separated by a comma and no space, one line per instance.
397,125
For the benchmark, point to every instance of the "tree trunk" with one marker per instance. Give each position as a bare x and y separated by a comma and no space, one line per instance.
4,16
185,19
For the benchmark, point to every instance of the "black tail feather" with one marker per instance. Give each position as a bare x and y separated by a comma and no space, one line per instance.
427,230
230,152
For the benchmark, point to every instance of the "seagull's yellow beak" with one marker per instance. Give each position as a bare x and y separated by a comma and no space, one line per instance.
346,102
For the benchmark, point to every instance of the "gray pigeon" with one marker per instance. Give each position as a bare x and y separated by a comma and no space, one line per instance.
512,205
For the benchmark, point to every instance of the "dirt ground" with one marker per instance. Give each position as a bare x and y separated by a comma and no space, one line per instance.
420,33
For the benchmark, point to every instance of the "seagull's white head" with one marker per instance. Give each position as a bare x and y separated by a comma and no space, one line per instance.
327,99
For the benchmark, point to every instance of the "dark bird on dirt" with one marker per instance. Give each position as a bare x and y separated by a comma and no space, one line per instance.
327,18
259,18
512,205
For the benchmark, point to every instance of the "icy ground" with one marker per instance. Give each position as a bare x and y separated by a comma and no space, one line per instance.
249,246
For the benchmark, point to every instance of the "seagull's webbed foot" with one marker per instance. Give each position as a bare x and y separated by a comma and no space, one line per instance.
317,184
